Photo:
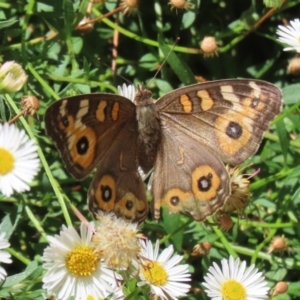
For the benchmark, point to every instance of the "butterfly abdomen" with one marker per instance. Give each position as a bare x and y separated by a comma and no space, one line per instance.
149,131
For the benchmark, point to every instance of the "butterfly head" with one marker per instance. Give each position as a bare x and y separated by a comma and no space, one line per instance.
143,97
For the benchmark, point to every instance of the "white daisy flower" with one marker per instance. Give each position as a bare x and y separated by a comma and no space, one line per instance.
12,77
113,293
74,268
18,160
4,255
162,272
290,35
234,281
127,91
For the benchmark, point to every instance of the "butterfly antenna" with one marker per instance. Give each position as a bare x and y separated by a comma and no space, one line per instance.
127,80
166,58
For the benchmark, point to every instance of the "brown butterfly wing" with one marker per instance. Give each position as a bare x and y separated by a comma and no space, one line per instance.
100,131
117,186
187,177
201,126
227,116
84,127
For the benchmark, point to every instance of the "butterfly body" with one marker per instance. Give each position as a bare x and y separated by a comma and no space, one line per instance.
149,129
185,136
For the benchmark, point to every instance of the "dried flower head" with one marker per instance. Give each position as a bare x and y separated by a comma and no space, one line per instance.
294,66
224,221
278,244
30,104
201,249
85,26
209,46
281,287
237,201
129,6
117,240
181,4
12,77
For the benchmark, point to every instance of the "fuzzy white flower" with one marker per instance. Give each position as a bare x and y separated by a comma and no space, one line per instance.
4,255
116,239
18,160
162,272
290,35
12,77
74,268
234,281
127,91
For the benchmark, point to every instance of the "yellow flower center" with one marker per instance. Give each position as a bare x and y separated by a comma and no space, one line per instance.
233,290
155,273
92,298
7,161
82,261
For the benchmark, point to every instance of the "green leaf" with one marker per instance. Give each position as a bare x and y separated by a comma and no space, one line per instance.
13,280
188,19
172,222
283,138
291,93
178,65
68,17
7,23
294,173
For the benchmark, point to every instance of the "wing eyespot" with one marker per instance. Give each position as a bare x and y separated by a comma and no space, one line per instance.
82,145
105,193
205,183
174,200
234,130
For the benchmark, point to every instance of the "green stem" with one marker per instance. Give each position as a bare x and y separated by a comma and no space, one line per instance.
43,83
19,256
244,251
223,240
35,221
138,38
53,182
265,242
178,229
84,81
263,224
260,183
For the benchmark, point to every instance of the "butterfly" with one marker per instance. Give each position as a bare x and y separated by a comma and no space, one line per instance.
184,137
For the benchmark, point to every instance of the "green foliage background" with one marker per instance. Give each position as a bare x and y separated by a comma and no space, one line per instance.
60,61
